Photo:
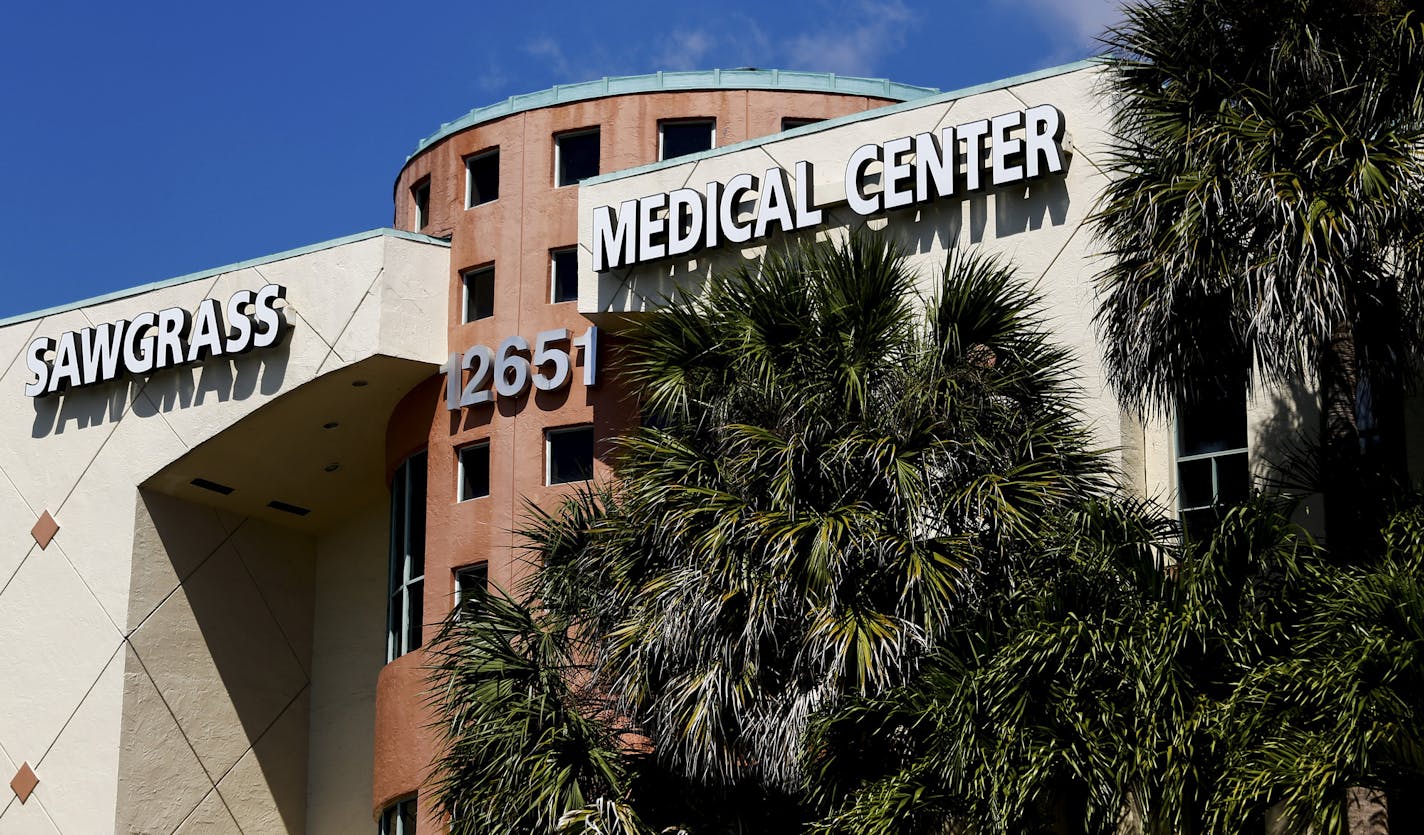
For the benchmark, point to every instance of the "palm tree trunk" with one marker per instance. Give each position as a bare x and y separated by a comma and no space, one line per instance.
1339,372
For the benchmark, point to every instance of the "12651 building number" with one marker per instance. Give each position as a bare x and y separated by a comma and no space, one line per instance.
548,366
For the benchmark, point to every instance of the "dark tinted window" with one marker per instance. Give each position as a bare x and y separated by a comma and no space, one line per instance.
565,274
479,294
570,454
686,137
577,157
482,175
474,471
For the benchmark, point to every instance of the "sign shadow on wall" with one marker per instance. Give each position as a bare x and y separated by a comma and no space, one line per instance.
217,380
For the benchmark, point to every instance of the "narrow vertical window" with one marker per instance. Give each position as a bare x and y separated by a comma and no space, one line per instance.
405,613
479,293
1213,471
420,196
481,178
680,137
576,156
569,454
474,471
563,268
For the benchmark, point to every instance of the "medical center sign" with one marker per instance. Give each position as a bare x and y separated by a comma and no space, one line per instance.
1011,148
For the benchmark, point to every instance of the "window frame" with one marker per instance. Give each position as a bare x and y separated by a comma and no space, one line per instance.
1217,459
422,208
553,432
481,568
687,120
392,813
403,583
465,276
460,497
560,138
470,161
554,275
801,122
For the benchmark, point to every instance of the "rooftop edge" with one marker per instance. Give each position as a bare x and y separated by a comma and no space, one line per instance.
738,79
226,268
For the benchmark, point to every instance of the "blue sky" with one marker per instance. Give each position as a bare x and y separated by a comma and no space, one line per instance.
145,140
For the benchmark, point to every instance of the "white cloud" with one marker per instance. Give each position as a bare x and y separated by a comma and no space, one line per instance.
855,42
551,53
1074,25
686,50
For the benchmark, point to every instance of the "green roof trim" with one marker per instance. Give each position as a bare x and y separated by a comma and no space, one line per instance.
662,82
227,268
852,118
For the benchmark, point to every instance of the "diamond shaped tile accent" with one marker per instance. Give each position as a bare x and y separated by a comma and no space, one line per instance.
44,530
24,782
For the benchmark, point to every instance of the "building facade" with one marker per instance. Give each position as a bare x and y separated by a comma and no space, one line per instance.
236,504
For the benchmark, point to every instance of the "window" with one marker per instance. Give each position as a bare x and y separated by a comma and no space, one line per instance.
420,195
569,454
474,471
470,582
399,818
686,136
575,156
481,178
792,122
1212,465
563,266
405,613
479,293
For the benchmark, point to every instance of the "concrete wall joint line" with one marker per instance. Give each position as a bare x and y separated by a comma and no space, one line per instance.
82,699
18,566
23,344
252,743
85,583
182,733
1077,151
266,604
370,288
181,580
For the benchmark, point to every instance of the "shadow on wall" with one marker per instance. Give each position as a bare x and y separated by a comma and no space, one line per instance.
217,380
1016,209
217,677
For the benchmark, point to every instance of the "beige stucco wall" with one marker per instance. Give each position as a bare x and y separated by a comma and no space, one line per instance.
1039,227
156,660
348,648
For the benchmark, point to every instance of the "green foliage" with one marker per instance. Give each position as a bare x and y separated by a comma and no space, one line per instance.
827,472
1264,679
1267,204
525,742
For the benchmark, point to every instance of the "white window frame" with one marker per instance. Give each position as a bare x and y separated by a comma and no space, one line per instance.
403,582
465,292
549,435
422,214
1215,457
460,496
690,120
470,179
480,567
553,276
559,148
391,822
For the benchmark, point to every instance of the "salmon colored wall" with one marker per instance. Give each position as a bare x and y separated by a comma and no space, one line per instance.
516,233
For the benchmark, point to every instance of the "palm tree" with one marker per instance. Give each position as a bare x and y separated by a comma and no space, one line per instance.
825,472
1258,680
1266,216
